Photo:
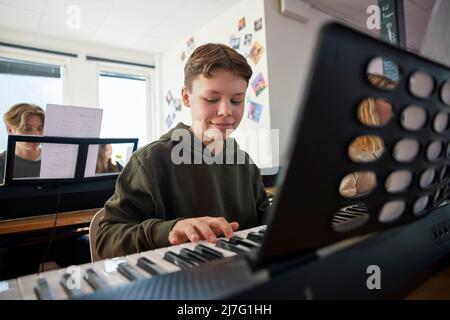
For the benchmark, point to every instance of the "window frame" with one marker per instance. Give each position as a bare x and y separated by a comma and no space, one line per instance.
152,113
38,57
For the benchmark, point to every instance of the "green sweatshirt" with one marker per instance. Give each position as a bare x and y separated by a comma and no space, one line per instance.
152,194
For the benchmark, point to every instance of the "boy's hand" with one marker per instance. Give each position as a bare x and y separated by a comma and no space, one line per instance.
208,228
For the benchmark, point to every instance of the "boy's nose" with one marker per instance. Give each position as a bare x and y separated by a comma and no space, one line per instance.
224,109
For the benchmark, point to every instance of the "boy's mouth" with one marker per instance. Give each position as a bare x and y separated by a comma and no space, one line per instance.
222,125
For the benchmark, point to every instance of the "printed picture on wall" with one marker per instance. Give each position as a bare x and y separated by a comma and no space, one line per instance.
190,44
256,52
258,24
241,23
259,84
177,104
235,42
169,119
248,39
169,97
183,56
254,111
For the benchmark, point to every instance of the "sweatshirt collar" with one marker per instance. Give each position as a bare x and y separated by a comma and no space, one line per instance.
230,147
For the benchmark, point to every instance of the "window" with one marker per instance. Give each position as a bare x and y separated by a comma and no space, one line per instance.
28,81
123,98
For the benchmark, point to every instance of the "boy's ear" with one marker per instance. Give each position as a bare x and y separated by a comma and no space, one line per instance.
185,96
9,130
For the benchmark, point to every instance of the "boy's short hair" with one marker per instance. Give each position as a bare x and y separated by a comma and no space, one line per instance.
208,57
18,114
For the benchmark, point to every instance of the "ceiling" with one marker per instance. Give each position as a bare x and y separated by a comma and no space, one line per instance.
152,26
141,25
417,13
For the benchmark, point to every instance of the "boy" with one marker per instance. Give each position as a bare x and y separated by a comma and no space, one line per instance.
24,119
159,201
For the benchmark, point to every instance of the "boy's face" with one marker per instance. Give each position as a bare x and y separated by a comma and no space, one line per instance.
33,126
217,104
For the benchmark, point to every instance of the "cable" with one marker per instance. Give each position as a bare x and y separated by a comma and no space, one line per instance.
52,237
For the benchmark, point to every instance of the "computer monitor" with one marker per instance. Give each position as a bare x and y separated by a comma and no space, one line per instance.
370,147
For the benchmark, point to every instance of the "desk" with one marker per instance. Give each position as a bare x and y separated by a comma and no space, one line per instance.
44,222
436,287
65,219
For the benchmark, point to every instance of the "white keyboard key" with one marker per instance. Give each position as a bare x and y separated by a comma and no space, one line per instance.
9,290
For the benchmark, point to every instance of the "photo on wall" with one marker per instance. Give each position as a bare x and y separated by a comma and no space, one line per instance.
258,24
190,45
169,97
177,104
241,24
256,52
169,120
254,111
235,42
258,84
248,39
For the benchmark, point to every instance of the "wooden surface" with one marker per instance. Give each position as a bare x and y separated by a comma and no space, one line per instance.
43,222
435,288
64,219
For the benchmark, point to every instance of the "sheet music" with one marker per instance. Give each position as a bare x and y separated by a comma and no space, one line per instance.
59,161
91,160
71,121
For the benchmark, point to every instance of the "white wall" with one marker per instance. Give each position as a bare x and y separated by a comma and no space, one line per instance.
290,47
219,30
82,78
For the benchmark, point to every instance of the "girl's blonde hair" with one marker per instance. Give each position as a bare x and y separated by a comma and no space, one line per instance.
17,115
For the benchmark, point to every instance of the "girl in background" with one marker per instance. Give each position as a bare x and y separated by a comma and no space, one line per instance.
105,163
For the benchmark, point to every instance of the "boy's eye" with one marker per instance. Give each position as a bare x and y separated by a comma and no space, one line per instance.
212,100
236,102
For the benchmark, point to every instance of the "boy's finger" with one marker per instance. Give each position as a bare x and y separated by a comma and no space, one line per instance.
234,226
173,239
205,230
224,227
190,233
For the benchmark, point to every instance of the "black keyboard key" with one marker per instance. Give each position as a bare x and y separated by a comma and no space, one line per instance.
69,286
128,271
94,280
149,266
208,252
244,242
223,244
189,254
255,237
181,262
42,290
